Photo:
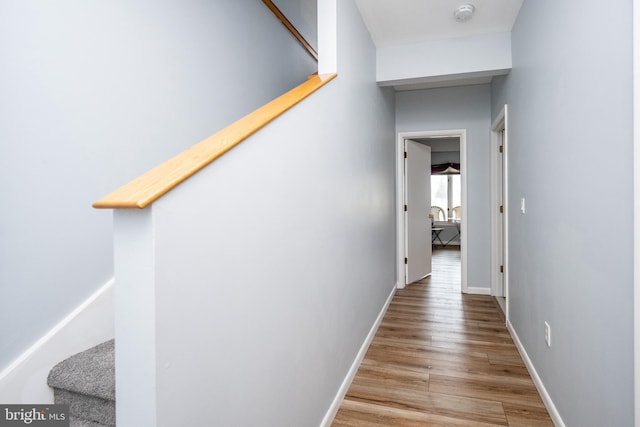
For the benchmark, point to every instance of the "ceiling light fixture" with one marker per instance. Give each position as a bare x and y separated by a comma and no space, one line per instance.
464,12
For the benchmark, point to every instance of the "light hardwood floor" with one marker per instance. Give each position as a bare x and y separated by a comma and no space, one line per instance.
441,358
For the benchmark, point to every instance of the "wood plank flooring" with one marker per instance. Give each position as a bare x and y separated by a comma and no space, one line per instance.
441,358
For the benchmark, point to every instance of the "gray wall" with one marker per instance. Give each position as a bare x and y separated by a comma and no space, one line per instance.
303,14
273,263
571,87
459,58
93,94
466,107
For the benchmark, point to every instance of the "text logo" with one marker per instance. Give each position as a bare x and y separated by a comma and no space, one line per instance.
34,415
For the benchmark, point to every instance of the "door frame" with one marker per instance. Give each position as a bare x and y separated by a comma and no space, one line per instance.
500,123
636,211
400,225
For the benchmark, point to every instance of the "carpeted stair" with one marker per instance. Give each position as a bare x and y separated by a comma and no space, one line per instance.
86,382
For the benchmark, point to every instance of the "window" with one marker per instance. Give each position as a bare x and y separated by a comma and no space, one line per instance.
446,192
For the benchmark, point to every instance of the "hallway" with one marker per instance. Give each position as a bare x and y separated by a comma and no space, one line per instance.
441,358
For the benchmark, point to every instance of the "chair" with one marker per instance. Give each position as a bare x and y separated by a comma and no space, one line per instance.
438,213
456,213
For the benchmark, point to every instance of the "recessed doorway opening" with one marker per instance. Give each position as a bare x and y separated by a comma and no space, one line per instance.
402,224
500,211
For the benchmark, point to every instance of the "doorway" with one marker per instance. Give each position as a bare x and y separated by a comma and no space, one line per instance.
400,200
499,211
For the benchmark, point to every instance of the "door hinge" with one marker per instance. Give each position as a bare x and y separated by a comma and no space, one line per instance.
502,148
405,154
501,209
406,260
502,269
405,208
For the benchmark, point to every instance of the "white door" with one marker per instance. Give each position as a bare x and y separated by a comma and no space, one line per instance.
417,199
501,222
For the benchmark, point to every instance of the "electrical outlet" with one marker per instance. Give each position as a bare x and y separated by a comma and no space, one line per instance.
547,334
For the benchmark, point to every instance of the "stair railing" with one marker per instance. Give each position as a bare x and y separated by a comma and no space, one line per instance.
144,190
278,13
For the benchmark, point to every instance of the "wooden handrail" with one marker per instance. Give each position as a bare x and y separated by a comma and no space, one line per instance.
291,28
148,188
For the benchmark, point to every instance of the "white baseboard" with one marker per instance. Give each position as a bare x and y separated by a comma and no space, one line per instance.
477,291
24,381
546,399
342,391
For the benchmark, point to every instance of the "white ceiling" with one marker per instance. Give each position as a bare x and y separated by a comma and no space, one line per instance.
393,22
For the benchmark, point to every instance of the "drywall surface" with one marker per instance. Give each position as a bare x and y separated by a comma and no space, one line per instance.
272,264
466,107
456,58
93,94
303,14
571,87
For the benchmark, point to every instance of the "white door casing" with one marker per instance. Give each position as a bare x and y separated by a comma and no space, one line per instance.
636,203
400,226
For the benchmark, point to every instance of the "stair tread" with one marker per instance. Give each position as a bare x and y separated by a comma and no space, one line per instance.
85,407
91,372
80,422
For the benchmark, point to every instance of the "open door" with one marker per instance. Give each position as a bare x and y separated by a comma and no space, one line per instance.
501,233
417,199
499,211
